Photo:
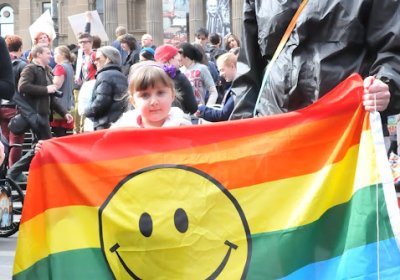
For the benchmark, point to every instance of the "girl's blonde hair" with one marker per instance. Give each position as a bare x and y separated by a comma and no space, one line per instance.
145,74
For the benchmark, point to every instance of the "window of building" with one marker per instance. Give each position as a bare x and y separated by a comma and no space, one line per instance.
100,9
46,6
6,21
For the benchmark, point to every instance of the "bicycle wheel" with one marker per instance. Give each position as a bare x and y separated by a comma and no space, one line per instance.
17,202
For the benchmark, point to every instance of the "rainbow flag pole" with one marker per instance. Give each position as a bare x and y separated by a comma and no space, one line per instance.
302,195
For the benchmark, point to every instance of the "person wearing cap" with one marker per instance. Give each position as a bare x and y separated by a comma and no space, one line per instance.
108,101
169,56
146,54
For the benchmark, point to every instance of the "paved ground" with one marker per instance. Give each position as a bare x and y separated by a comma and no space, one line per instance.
7,253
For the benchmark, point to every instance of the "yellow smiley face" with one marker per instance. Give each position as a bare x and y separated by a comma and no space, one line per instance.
174,222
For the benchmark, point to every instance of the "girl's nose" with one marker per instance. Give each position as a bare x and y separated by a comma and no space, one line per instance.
154,100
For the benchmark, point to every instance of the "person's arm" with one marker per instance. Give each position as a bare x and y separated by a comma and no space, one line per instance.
59,76
88,23
27,84
217,115
213,95
250,74
382,36
209,85
60,109
7,85
2,153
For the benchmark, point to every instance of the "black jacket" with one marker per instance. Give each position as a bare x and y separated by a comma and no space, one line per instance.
33,85
6,73
331,40
184,91
109,97
132,58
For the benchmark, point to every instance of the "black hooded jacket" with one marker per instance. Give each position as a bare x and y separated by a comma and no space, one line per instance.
109,97
331,40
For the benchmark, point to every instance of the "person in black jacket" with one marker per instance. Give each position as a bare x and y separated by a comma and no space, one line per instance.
6,73
129,45
330,41
6,81
37,88
169,56
8,108
109,93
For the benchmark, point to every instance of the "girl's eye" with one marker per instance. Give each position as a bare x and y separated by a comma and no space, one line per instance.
144,95
161,93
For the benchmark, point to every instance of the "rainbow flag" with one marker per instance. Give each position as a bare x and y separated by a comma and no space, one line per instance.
303,195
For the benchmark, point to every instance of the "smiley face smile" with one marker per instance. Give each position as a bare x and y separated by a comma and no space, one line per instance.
214,275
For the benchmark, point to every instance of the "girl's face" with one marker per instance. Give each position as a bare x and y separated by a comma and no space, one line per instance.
176,61
125,47
58,56
153,104
186,61
232,43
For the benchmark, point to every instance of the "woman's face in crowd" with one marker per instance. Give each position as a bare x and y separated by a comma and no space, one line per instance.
232,43
100,61
58,56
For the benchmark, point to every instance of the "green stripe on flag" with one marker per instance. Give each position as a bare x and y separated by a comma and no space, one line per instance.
82,264
349,225
274,254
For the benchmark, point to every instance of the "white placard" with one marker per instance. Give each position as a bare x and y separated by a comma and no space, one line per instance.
78,23
43,24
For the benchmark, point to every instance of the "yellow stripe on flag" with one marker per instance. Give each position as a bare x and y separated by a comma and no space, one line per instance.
76,226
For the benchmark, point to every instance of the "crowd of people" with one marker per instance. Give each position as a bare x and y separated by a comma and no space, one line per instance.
88,86
91,86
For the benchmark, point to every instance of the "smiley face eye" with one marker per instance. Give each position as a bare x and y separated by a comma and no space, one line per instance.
181,220
146,224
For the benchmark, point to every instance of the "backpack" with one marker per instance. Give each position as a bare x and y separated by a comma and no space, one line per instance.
17,65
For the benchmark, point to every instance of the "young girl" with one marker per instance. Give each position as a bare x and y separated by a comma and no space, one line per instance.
151,92
64,80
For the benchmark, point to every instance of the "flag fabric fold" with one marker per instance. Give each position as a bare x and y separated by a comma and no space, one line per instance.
302,195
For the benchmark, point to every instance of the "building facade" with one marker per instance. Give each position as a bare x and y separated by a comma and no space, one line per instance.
169,21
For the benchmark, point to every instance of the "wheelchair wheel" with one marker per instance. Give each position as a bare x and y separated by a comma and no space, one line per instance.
17,202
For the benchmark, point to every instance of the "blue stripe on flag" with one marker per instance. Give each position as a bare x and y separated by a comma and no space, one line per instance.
359,263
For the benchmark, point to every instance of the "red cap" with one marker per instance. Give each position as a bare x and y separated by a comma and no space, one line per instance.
164,53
